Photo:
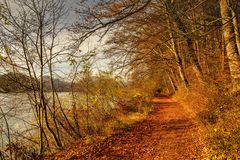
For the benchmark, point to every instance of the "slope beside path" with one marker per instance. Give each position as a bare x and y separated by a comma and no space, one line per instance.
168,134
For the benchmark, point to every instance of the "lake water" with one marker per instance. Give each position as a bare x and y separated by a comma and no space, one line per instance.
19,115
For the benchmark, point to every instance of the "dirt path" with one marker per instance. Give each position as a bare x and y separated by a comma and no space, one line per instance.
168,134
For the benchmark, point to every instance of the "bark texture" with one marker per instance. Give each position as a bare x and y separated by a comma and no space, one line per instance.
230,43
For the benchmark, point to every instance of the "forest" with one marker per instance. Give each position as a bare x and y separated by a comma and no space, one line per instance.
120,79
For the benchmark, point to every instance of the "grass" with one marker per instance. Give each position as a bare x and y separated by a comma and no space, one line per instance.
123,121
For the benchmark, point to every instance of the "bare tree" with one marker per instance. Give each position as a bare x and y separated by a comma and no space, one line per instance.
31,47
230,43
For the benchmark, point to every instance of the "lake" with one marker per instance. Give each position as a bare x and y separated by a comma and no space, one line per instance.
17,109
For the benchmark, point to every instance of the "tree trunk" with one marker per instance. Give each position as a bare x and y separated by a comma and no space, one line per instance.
230,44
179,61
183,29
236,29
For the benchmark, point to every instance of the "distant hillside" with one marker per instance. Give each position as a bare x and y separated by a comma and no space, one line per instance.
60,85
18,82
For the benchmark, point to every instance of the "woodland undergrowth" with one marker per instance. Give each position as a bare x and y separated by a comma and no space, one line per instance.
218,114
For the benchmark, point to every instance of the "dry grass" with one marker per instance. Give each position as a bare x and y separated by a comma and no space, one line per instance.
219,117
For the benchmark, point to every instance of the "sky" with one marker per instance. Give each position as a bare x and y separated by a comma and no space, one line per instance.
93,42
90,44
